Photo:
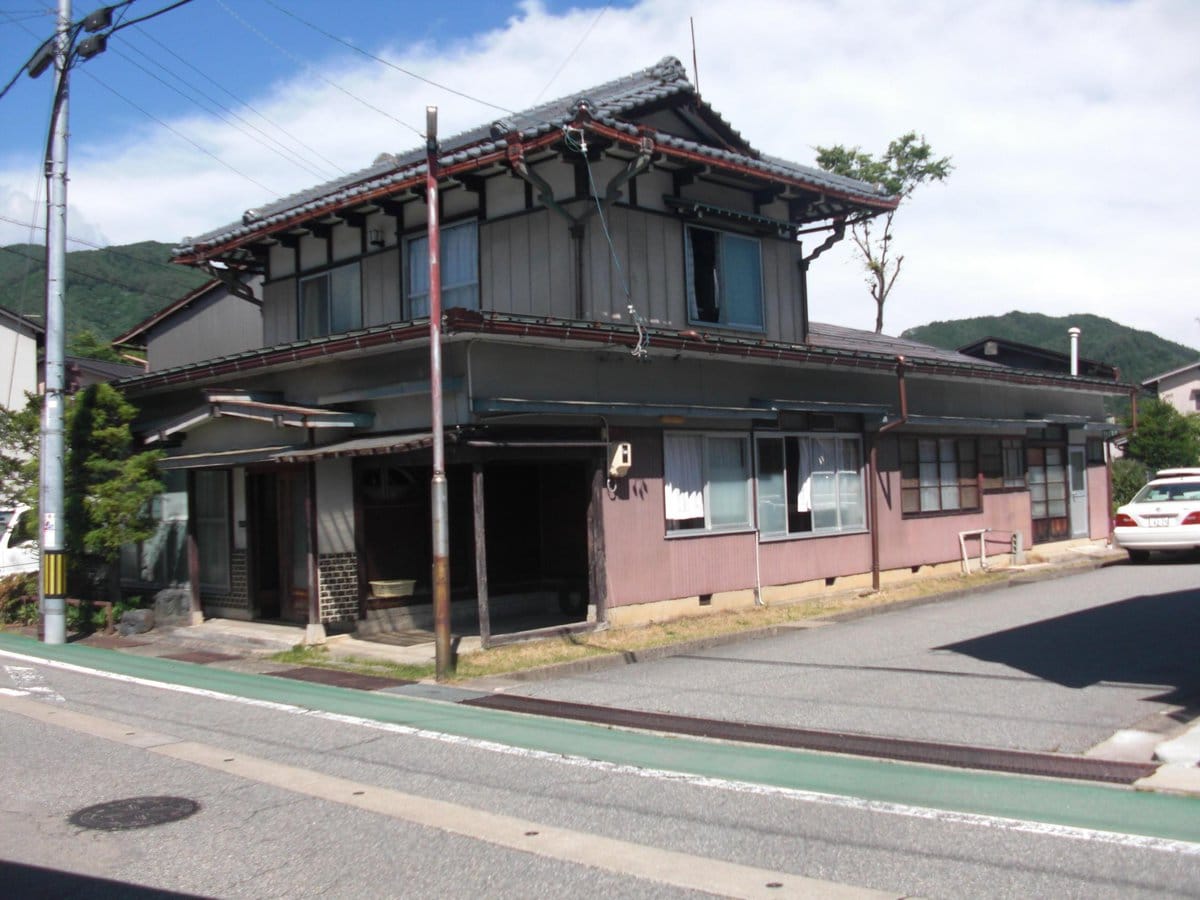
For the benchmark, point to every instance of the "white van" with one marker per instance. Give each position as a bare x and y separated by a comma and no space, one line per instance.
18,541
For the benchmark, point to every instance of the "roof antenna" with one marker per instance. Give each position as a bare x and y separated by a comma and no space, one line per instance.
695,67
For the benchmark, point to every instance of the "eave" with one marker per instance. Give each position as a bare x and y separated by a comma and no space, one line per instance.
461,323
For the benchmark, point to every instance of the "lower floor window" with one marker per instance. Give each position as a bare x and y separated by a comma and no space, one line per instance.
809,483
938,475
1047,482
1002,463
161,559
212,528
706,480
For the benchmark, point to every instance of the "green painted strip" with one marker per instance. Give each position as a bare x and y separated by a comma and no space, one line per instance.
1099,807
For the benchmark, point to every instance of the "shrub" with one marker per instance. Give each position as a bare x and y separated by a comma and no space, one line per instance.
1128,476
19,599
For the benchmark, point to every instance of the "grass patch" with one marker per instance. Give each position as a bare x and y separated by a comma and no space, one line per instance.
569,648
318,657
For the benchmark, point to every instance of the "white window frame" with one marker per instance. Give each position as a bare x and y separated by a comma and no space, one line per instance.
721,288
790,491
454,286
333,280
706,437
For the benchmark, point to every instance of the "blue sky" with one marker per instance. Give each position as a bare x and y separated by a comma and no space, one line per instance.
1071,123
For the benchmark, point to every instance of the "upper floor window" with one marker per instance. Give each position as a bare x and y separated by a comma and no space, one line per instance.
809,483
706,478
459,267
331,302
724,278
938,475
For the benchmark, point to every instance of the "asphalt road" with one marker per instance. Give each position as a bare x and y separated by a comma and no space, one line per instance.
1055,666
297,803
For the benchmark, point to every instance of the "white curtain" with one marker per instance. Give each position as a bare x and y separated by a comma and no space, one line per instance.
683,478
804,471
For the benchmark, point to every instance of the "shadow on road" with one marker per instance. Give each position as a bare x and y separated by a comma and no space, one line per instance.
1150,640
36,883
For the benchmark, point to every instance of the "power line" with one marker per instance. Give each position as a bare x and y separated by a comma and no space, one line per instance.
94,246
571,55
277,148
388,63
141,292
243,102
182,136
305,63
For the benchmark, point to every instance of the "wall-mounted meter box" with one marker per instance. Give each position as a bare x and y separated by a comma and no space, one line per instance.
620,458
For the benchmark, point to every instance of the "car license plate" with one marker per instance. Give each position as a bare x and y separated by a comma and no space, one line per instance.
1158,521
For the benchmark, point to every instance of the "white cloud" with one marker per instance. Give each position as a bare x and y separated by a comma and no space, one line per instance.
1071,126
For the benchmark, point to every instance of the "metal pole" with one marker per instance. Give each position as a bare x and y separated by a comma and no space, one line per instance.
53,528
441,543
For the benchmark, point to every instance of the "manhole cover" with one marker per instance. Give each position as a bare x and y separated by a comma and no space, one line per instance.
135,812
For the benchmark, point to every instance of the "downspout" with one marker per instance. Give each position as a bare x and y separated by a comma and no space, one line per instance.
873,509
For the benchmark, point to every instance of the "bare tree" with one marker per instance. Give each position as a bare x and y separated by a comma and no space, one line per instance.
907,163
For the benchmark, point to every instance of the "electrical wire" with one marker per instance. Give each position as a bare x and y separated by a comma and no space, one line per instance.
388,63
224,114
570,56
244,103
182,136
76,240
308,66
145,18
133,289
643,340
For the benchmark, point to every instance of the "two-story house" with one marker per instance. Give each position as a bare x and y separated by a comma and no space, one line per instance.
618,268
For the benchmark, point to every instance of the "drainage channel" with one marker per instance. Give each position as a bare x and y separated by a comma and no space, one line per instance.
1017,762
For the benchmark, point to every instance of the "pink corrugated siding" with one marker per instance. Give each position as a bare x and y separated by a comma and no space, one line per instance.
643,564
806,559
1099,502
924,540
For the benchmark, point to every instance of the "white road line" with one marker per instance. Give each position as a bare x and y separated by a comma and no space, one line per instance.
999,823
684,870
31,681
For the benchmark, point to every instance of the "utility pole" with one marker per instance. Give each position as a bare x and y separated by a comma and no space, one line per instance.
443,664
62,50
54,559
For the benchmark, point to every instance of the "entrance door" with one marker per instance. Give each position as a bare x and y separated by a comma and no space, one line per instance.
262,499
295,584
1079,503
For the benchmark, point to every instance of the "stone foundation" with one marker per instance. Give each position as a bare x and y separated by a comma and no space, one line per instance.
337,575
236,602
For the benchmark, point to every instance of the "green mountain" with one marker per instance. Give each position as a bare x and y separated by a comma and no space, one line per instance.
1139,354
108,291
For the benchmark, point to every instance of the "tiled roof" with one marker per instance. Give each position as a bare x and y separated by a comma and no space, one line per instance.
852,340
608,104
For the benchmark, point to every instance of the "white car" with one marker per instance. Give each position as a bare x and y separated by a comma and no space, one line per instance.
18,544
1163,515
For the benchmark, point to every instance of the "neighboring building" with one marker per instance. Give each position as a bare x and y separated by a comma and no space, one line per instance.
83,371
21,340
1179,387
212,320
1027,356
641,417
